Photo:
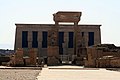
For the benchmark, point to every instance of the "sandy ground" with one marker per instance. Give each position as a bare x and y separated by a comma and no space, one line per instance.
18,74
59,73
81,74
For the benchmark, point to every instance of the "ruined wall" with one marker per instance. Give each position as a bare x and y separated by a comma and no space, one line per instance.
25,57
108,63
19,57
102,57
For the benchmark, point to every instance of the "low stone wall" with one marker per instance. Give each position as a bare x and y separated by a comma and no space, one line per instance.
25,58
108,63
99,58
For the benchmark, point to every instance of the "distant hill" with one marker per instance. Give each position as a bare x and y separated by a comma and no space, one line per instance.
4,52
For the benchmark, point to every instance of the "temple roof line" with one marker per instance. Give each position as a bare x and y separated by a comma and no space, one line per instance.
59,24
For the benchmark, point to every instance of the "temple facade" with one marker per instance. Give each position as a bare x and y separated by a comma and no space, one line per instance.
58,42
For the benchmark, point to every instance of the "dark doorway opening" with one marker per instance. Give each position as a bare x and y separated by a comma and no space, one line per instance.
61,41
71,39
44,40
91,39
24,39
34,39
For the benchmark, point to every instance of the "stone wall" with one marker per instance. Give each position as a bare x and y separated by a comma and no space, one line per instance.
62,28
25,58
103,57
19,57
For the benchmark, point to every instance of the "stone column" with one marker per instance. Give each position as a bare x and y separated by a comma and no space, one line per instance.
40,39
86,39
81,39
53,48
75,37
29,39
39,42
65,45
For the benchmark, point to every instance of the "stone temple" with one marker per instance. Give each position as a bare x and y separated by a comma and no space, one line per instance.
55,44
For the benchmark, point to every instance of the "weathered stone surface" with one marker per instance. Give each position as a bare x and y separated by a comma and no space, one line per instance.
105,55
53,51
33,56
63,28
53,55
64,16
53,60
19,57
22,59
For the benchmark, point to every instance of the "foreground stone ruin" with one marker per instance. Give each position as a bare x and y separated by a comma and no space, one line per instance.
24,57
100,56
103,55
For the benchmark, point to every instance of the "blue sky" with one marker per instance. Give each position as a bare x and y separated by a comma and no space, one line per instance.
104,12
